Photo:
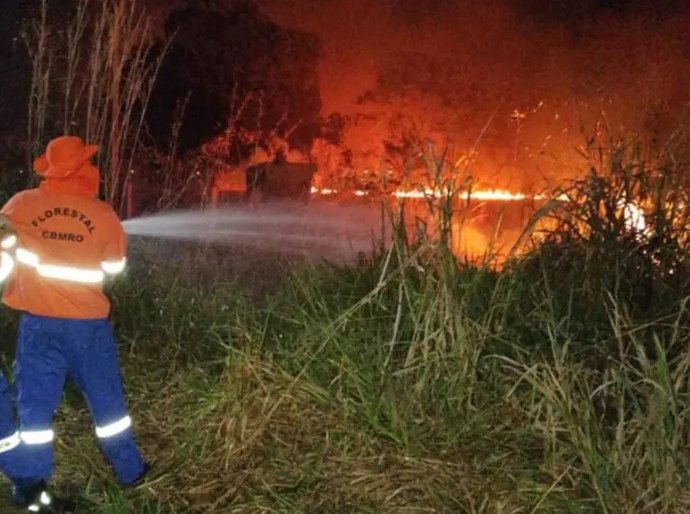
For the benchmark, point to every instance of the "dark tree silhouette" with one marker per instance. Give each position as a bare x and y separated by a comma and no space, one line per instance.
215,53
16,74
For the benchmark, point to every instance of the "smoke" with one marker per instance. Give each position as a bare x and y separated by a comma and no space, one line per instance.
546,74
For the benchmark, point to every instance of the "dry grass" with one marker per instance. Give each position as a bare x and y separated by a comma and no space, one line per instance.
93,73
230,450
408,383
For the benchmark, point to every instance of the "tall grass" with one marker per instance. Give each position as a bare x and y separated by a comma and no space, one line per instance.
93,79
557,360
411,381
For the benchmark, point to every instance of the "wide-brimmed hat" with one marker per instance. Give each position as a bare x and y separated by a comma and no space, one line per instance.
64,155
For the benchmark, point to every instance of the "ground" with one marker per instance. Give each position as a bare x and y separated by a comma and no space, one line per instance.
262,384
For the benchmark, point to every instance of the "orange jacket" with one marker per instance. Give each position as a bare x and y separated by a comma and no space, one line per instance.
68,241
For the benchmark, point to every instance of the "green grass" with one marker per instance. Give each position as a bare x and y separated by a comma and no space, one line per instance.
409,383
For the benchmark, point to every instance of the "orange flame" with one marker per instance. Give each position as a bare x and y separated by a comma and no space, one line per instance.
634,215
487,194
634,218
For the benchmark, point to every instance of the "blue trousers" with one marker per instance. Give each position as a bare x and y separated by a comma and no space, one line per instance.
9,436
49,351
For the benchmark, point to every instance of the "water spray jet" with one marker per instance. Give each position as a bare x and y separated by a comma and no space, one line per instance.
332,231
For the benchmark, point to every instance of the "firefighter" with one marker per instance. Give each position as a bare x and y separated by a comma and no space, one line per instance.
68,242
9,435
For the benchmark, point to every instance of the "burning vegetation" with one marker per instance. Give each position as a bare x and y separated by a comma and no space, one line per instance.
519,341
520,84
359,90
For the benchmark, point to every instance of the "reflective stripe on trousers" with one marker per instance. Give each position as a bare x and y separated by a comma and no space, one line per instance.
114,429
9,435
9,443
34,437
49,349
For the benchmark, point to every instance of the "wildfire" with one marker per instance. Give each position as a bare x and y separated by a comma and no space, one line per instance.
634,216
486,195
